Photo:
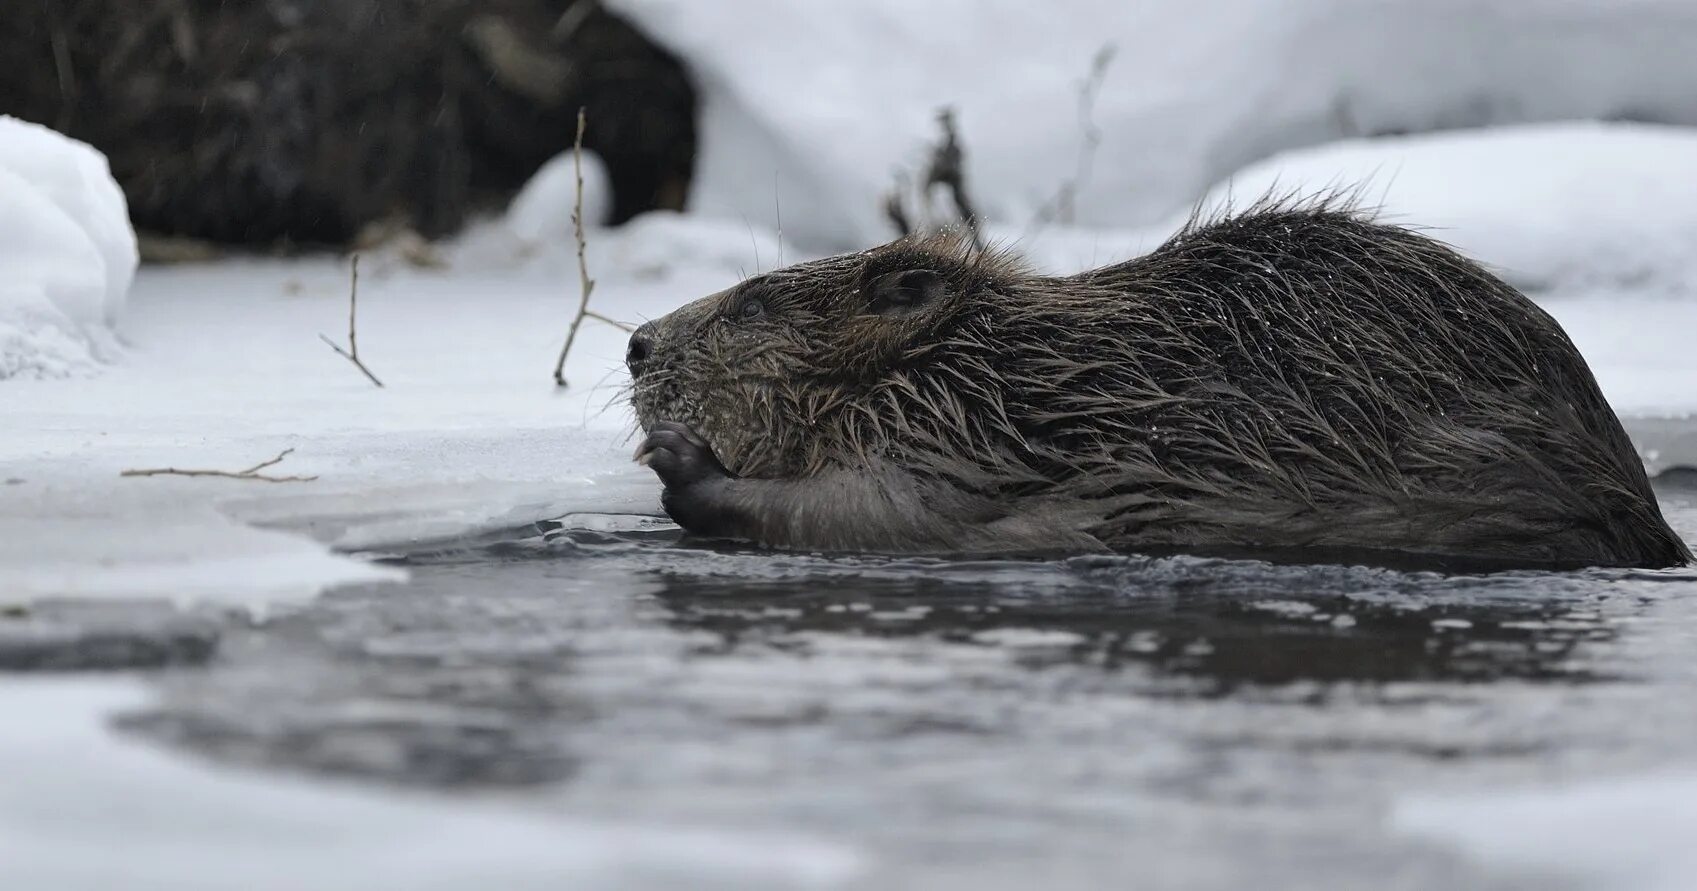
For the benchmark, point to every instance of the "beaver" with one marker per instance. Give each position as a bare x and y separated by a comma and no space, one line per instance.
1296,377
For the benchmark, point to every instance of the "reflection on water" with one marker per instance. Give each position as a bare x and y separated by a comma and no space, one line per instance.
1227,624
960,717
457,679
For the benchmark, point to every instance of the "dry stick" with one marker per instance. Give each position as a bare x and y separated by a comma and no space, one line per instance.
948,168
895,210
586,285
778,213
352,352
1063,206
252,473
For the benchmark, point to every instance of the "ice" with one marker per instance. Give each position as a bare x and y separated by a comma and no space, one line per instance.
83,809
810,107
67,250
1631,832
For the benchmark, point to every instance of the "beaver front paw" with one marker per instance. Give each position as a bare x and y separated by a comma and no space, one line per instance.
683,460
695,494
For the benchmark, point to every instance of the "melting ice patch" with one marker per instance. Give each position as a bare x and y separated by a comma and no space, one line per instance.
1627,834
83,809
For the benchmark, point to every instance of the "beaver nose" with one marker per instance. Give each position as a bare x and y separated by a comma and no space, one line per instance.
641,347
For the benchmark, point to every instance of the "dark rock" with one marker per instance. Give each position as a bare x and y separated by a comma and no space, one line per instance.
302,121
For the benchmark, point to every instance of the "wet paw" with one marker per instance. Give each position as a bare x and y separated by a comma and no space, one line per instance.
681,458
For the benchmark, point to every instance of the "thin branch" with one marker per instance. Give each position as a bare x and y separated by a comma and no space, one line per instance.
1063,206
622,326
586,285
948,169
778,213
352,352
895,210
252,473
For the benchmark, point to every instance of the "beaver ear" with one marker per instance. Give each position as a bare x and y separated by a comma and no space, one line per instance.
904,293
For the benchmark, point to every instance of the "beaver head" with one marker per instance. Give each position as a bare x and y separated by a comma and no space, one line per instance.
787,373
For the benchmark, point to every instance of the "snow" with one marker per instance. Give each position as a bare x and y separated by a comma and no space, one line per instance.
1630,832
67,250
226,370
1554,208
808,108
1640,348
1550,206
163,822
541,213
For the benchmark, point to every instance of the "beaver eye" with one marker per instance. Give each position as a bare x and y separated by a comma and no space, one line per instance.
751,308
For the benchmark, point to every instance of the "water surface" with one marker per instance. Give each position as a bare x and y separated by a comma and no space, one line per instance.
1093,722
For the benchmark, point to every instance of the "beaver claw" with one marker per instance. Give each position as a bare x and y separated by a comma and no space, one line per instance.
680,456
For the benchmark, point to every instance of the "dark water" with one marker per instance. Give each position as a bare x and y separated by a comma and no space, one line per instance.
1095,722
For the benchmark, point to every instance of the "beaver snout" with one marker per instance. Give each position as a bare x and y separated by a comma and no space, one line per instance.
640,349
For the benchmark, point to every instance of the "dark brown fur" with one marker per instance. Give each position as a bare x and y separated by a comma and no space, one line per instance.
1296,377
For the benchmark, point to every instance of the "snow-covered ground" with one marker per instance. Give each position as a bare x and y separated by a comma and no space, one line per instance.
225,369
812,106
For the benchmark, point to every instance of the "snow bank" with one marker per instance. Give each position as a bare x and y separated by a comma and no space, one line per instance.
67,253
83,809
650,247
812,105
1627,833
1551,206
1578,206
541,213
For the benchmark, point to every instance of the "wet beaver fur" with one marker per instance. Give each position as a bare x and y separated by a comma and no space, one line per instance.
1294,379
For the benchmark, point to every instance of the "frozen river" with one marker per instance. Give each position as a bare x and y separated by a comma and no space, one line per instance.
1096,722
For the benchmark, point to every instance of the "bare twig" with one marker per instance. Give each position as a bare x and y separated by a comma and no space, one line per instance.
1063,206
352,352
252,473
948,169
778,214
895,208
586,285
